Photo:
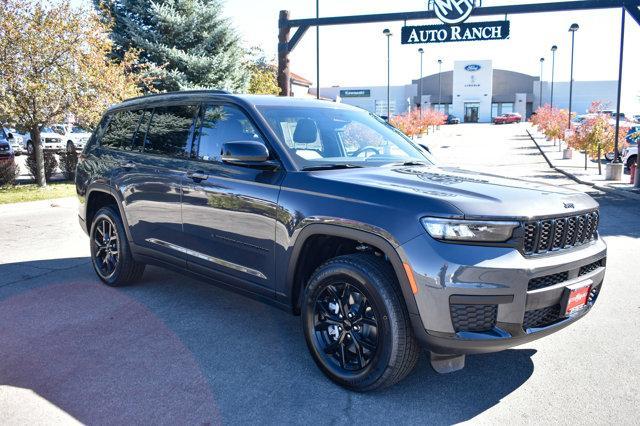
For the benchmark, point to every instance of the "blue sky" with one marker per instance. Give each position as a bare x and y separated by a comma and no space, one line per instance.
356,54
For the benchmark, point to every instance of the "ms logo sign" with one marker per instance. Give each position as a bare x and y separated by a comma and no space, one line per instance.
452,11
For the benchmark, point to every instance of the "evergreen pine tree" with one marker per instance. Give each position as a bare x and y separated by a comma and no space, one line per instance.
186,44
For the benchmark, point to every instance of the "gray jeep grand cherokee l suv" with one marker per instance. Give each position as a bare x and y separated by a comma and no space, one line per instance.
326,211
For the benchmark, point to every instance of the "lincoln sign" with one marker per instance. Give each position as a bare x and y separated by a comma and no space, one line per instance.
468,31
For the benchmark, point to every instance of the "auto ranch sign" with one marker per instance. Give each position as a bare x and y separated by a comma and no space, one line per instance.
453,13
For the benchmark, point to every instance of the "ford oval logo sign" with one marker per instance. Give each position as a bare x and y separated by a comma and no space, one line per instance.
472,67
452,11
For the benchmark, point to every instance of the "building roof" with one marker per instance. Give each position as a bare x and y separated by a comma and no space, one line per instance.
299,80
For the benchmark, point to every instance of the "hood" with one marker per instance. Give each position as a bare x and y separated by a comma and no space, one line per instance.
78,135
50,135
476,195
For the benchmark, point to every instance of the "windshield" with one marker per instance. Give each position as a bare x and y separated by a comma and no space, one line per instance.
76,129
328,136
48,129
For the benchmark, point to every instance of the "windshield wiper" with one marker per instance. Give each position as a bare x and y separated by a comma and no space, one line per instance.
413,163
334,166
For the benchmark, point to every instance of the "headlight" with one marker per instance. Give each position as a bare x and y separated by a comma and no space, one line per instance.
468,230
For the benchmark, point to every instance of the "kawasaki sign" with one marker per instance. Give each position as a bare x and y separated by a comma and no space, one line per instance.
454,13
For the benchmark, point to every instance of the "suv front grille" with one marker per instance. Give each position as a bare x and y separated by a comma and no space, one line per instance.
547,235
547,281
590,267
541,317
473,317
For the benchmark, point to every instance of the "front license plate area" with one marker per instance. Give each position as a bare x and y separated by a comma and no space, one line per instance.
575,298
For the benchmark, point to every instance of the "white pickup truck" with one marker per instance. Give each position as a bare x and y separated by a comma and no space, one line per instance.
74,137
630,155
50,139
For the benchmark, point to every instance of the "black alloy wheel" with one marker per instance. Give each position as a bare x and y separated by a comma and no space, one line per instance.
106,247
110,253
346,326
356,323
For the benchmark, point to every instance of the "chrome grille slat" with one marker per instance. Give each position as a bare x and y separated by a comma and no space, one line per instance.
543,236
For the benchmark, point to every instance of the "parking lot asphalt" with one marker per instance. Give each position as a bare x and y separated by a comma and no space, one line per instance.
175,350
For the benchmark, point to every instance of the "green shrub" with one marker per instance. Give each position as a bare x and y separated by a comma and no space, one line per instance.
50,165
9,171
68,163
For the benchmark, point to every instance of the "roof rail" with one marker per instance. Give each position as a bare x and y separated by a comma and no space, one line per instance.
182,92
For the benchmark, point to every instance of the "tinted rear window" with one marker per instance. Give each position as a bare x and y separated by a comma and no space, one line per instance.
170,130
121,129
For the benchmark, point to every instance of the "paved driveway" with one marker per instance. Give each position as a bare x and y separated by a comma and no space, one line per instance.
175,350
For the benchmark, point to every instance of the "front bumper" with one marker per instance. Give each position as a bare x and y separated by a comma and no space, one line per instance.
474,299
54,147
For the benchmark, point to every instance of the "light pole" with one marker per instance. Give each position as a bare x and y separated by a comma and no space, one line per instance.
541,68
553,70
440,84
421,52
388,34
318,50
572,29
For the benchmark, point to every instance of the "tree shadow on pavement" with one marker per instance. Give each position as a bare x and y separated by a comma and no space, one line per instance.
172,349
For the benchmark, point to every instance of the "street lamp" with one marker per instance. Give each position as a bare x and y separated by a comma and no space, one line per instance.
421,52
440,84
540,98
388,34
572,29
553,69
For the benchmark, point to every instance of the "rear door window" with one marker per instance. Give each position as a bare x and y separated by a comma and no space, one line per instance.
170,130
121,129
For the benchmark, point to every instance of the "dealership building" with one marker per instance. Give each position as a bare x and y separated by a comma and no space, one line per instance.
475,92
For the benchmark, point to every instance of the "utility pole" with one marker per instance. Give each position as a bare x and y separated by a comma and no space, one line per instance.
318,50
553,70
388,34
540,103
572,30
421,52
440,84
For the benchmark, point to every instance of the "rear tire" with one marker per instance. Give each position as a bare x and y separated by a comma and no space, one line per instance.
30,148
110,252
356,324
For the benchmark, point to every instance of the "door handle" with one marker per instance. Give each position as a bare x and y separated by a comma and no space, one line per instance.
197,176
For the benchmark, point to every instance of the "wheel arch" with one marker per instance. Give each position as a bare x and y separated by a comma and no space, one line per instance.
100,196
393,253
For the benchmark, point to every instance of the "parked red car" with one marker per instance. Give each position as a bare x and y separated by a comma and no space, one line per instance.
508,118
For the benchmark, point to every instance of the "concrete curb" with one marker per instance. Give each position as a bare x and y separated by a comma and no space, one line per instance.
621,192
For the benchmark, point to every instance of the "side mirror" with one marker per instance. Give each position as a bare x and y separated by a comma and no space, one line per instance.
244,153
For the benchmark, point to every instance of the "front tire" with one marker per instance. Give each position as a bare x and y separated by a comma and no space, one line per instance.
631,161
356,325
30,148
110,252
70,147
